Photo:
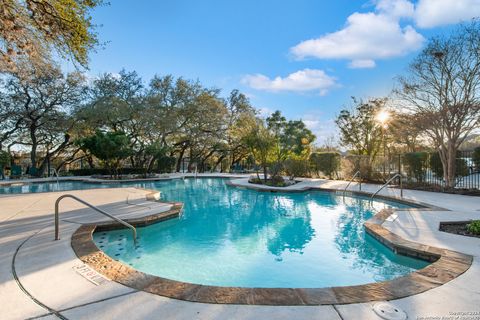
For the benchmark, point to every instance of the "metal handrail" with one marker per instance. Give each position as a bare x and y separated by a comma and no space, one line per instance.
351,180
57,237
398,175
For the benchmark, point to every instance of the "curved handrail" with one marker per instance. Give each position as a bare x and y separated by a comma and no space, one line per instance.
351,180
57,237
398,175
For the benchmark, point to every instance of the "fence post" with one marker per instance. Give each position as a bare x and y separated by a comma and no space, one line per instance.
399,163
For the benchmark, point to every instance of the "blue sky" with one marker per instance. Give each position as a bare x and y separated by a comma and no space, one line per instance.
304,57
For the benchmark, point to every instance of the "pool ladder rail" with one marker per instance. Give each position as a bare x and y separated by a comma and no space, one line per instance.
351,180
399,176
57,228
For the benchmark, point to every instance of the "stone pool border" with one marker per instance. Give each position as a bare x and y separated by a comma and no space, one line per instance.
416,205
446,265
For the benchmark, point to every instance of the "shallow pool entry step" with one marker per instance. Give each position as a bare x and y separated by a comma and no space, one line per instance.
119,246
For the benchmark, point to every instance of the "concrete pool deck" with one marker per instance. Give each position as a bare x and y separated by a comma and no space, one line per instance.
45,267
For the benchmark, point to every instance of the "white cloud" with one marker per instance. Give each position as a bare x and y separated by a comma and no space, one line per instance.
366,36
433,13
358,64
323,129
396,8
265,112
300,81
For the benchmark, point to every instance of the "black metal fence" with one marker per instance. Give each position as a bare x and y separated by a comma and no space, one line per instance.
422,170
419,169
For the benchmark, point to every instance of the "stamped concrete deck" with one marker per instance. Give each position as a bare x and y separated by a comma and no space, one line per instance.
45,267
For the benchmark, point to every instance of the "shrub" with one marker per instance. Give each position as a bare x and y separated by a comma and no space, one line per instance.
4,161
165,164
476,158
104,171
110,147
416,165
4,158
276,181
474,227
326,162
296,168
255,180
160,159
461,168
353,163
275,169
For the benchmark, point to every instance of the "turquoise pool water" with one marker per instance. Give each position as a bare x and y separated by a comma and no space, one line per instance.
53,186
236,237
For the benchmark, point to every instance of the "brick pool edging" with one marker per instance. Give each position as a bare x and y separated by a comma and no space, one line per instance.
446,266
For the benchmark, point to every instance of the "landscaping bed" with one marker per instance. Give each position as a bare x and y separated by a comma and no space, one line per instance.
458,227
437,188
125,177
274,182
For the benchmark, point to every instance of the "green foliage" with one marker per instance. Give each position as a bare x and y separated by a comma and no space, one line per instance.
166,119
476,158
159,154
359,128
165,164
39,111
474,227
4,158
30,30
105,171
296,168
292,138
326,162
110,147
4,161
461,168
261,142
416,165
276,181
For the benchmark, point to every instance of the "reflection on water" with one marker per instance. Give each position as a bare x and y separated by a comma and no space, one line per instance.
235,237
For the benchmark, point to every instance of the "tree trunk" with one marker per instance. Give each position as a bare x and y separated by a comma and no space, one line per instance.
448,156
90,161
150,164
33,151
265,173
219,161
451,165
190,161
179,160
43,166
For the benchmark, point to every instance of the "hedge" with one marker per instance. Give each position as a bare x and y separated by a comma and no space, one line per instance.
326,162
416,165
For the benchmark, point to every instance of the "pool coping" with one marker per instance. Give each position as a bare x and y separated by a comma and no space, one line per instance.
446,265
416,205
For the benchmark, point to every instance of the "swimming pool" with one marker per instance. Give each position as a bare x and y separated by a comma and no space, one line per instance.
235,237
62,185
